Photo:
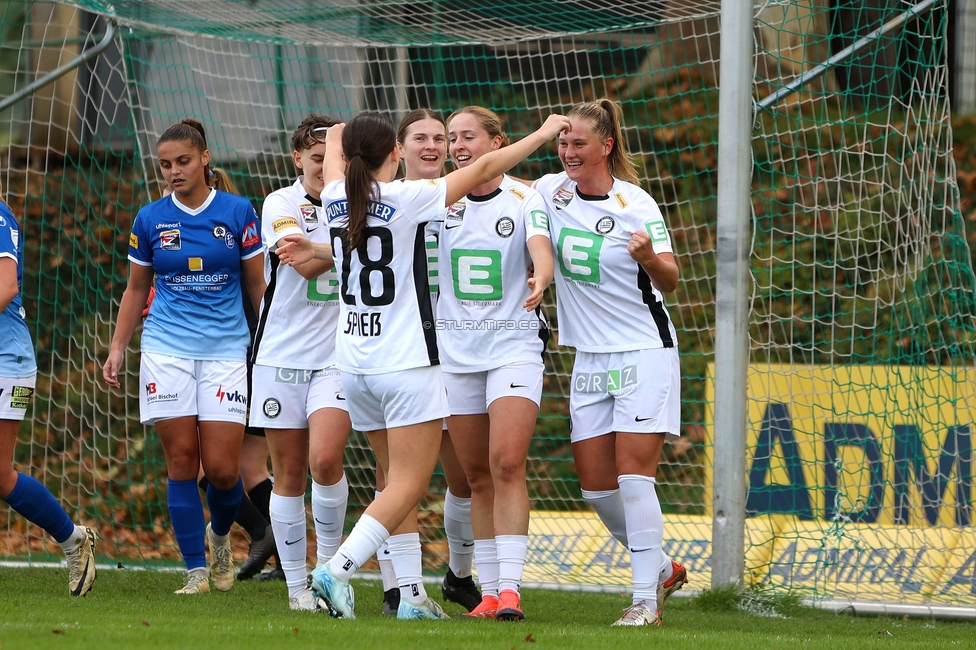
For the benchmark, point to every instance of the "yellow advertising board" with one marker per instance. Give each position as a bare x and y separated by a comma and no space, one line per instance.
860,486
888,445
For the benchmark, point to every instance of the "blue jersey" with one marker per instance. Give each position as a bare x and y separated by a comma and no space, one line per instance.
196,254
16,350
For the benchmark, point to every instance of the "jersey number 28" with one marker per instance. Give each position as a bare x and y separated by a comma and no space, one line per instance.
370,267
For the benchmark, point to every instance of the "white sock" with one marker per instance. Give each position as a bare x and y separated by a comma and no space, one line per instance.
329,514
610,507
667,569
288,526
77,536
486,559
362,542
645,533
387,574
408,563
460,539
511,550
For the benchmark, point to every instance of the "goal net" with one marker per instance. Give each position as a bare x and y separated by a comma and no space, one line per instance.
861,381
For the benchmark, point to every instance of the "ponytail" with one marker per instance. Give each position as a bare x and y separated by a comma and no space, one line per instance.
220,180
366,142
607,117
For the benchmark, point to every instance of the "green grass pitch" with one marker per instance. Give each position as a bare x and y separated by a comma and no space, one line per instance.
137,609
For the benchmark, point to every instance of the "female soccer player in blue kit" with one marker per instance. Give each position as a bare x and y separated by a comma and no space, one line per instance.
18,374
201,243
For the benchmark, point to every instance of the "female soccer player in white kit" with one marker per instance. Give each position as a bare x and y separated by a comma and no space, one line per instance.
422,141
18,375
614,263
387,347
297,394
491,338
201,243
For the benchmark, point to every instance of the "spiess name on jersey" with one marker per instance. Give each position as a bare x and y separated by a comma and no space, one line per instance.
363,323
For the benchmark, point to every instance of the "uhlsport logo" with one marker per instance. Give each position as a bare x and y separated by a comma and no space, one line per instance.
236,396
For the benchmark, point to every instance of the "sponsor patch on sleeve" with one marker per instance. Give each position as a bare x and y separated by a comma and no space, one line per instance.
621,201
432,181
284,222
252,235
514,192
657,231
540,219
133,240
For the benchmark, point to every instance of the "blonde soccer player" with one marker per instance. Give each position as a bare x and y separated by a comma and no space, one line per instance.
492,335
297,394
386,344
615,263
201,243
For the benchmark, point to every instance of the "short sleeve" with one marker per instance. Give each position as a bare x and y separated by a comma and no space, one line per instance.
424,200
140,247
9,237
652,222
278,220
535,216
250,234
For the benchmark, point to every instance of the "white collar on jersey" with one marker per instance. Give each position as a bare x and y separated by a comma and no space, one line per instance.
204,206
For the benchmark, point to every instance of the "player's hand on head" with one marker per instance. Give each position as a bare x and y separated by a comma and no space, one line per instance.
641,248
556,124
334,134
295,249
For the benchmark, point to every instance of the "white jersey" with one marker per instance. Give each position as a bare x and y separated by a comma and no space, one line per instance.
484,272
386,323
606,300
298,318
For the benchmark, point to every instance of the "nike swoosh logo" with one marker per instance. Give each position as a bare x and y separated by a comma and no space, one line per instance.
287,543
457,225
84,576
639,550
340,398
322,522
467,545
640,419
514,385
311,230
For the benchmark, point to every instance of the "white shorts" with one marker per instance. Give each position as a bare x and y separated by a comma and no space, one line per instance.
638,391
395,399
171,387
471,393
283,398
15,396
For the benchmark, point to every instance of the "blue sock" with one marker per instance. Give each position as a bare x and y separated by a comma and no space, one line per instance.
224,505
186,515
31,500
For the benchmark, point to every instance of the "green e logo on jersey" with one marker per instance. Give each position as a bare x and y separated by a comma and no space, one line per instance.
540,219
477,274
657,231
324,288
579,254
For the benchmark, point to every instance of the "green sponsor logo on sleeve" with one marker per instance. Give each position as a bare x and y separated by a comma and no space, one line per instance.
657,231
